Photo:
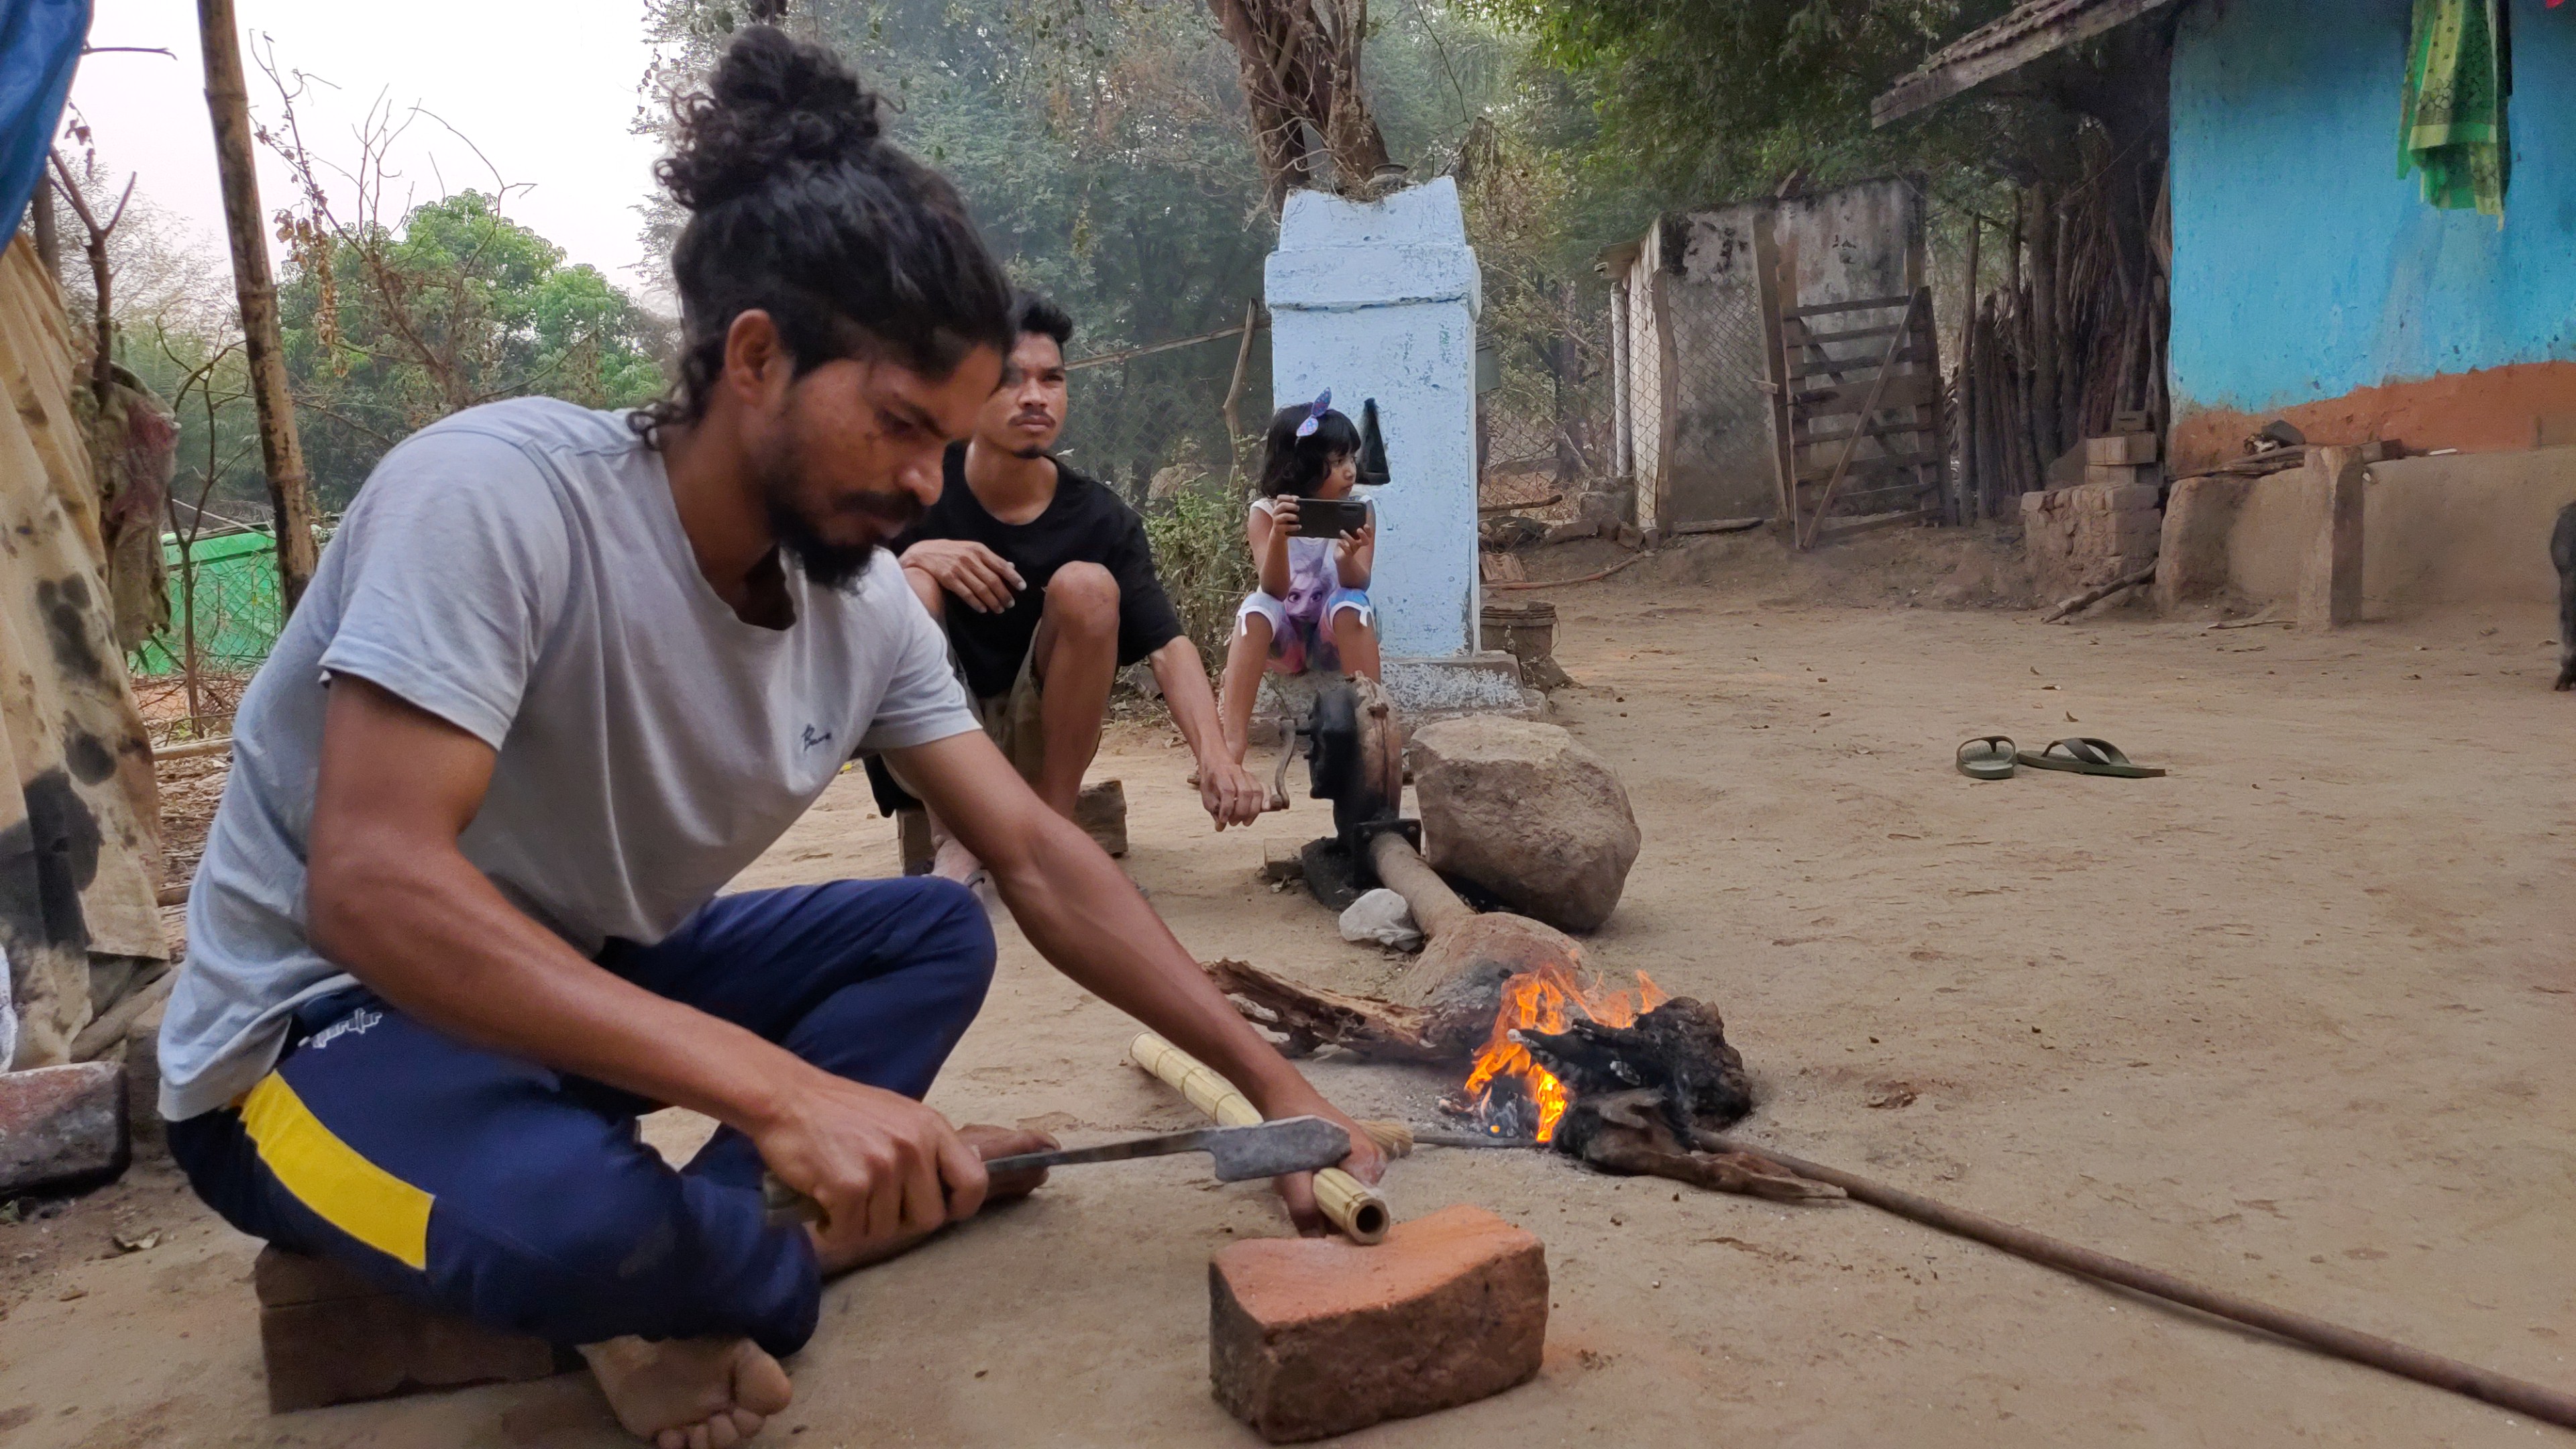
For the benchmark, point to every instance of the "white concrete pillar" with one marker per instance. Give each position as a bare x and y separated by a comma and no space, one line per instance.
1379,299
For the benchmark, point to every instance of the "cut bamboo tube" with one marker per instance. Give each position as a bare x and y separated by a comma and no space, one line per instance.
1352,1206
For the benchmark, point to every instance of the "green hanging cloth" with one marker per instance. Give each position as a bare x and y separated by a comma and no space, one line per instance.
2458,73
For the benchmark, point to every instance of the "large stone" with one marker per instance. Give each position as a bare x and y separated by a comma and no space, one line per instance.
1309,1337
1522,810
61,1125
329,1336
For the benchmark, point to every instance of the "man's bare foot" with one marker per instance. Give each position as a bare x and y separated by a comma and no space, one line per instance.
689,1393
989,1142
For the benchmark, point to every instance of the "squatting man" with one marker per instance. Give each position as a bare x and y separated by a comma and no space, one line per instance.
560,676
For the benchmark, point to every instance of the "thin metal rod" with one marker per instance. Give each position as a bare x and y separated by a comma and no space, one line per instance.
2519,1395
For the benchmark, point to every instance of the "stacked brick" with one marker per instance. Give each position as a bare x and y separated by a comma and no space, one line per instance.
2104,528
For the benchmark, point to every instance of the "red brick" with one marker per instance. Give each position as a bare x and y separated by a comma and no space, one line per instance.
61,1125
329,1336
1310,1337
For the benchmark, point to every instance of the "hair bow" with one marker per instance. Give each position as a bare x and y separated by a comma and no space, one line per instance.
1315,414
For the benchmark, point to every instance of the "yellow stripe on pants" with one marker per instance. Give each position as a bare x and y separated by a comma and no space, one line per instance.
327,1175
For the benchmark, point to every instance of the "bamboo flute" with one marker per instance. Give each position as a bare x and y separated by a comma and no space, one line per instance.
1351,1205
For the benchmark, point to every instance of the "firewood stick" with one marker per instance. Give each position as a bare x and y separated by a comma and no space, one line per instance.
2522,1397
1352,1206
1436,908
2090,597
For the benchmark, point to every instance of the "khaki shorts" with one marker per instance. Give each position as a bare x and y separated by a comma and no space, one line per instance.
1010,720
1013,722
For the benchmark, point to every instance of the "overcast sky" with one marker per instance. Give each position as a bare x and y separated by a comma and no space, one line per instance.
545,88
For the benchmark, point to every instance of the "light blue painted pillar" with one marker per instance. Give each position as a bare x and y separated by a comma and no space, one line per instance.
1379,299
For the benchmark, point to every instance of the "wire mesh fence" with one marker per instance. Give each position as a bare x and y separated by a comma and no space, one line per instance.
1544,400
225,613
1720,431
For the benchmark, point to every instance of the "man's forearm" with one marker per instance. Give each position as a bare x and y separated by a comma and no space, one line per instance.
1184,682
1087,918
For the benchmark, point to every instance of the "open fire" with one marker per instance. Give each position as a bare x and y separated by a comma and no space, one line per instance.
1509,1094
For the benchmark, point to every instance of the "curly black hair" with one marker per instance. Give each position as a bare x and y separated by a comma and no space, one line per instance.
801,208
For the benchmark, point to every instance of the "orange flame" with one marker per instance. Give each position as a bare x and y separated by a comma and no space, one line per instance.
1546,1000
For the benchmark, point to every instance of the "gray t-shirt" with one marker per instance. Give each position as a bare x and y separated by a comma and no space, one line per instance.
519,570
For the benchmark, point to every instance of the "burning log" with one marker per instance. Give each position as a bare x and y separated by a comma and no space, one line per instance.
1677,1050
1446,1029
1633,1096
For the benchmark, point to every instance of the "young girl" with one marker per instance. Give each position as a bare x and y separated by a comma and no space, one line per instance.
1312,608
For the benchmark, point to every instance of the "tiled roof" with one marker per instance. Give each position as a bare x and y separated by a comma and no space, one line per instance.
2028,32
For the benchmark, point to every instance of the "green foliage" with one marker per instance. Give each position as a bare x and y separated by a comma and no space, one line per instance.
1197,535
1703,102
1103,147
386,330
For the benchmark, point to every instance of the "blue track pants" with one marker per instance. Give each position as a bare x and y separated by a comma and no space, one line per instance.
523,1198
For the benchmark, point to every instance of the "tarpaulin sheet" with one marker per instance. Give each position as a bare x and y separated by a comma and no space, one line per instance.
40,43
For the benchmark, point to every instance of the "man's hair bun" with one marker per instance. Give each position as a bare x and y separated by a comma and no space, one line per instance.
800,207
770,104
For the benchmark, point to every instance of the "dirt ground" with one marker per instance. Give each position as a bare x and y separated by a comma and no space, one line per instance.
2294,1020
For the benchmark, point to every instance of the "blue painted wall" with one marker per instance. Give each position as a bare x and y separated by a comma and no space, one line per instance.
1380,300
2304,267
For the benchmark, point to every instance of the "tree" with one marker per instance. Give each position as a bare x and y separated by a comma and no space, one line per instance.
389,328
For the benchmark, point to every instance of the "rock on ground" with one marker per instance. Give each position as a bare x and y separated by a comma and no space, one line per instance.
1310,1337
1522,810
61,1124
1381,916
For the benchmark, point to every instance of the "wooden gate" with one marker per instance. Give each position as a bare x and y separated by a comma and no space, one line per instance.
1856,395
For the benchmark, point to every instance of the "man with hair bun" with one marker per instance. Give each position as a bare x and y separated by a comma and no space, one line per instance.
560,676
1045,585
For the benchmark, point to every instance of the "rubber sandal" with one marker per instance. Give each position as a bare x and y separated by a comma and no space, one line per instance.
1988,757
2087,756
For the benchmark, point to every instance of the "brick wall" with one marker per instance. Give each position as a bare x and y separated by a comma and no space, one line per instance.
2090,534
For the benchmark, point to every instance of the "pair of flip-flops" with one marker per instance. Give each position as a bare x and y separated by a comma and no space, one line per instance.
1994,757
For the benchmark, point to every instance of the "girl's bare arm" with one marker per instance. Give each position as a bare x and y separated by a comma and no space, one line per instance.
1269,531
1356,559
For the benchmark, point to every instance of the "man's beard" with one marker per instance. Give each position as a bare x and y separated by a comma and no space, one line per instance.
800,535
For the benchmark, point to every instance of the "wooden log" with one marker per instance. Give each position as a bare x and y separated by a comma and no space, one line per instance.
1448,1028
1353,1207
290,488
2090,597
1436,908
194,749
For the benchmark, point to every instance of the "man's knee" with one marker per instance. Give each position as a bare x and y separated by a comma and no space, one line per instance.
955,939
1083,598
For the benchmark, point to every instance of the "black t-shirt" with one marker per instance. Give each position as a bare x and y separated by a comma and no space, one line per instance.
1086,523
